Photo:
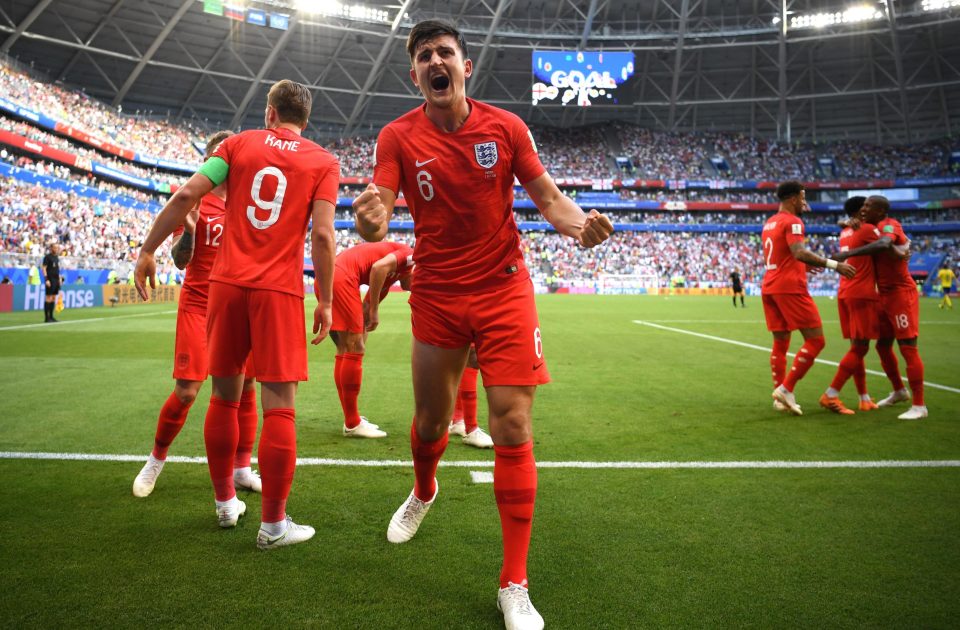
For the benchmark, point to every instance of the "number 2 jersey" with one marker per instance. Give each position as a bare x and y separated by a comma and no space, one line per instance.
274,177
459,188
784,273
206,242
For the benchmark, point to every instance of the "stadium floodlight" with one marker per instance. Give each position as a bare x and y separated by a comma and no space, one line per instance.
939,5
357,12
851,15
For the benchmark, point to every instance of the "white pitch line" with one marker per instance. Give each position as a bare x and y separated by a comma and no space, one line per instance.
760,321
82,321
767,349
394,463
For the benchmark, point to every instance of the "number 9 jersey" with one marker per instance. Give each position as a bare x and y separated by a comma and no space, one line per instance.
274,177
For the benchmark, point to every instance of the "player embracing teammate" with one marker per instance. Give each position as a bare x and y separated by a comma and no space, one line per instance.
787,304
455,160
899,306
276,183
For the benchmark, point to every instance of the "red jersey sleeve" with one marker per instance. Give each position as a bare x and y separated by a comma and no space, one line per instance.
867,234
404,258
793,231
329,185
224,151
526,161
386,161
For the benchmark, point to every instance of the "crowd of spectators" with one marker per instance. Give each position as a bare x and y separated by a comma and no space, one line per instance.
58,142
142,134
579,153
33,217
85,178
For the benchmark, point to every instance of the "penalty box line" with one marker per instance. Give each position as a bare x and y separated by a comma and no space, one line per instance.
393,463
752,346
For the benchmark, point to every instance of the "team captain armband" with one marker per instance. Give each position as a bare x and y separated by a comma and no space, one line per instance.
215,169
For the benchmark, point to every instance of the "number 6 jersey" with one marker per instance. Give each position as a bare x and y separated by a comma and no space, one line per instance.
274,177
459,188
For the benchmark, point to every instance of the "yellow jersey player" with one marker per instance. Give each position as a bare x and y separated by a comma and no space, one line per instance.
947,278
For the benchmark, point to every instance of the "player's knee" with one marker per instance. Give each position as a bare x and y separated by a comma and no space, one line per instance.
186,394
817,343
512,427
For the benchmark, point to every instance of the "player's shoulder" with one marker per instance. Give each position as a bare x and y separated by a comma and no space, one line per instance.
491,115
211,205
406,122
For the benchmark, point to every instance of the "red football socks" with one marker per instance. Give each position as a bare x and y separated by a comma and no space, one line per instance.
457,409
278,460
803,361
515,487
426,456
248,428
172,416
851,365
221,432
911,356
467,397
778,360
890,366
348,375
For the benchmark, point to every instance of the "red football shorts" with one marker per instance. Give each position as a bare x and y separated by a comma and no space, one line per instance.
859,318
503,324
190,352
790,311
899,315
347,306
268,325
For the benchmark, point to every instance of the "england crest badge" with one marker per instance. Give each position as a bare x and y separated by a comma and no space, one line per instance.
486,153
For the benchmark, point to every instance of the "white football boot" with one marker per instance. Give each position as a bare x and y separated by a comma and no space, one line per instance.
147,477
406,520
518,611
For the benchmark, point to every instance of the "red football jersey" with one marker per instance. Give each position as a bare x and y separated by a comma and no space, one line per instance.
862,286
206,242
358,260
892,273
785,274
459,188
275,176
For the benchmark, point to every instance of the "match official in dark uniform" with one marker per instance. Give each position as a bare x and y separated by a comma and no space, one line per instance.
737,288
51,274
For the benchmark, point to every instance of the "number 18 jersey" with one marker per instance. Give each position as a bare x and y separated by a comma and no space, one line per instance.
274,177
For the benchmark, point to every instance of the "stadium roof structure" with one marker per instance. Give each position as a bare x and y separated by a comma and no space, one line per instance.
801,69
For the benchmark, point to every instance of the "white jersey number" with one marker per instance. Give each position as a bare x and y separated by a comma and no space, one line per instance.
424,180
768,247
214,233
273,205
537,343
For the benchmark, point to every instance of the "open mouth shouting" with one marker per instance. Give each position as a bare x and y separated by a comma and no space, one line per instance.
439,82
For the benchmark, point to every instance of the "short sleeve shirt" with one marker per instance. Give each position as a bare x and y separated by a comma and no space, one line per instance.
893,273
206,242
784,273
459,189
275,176
862,286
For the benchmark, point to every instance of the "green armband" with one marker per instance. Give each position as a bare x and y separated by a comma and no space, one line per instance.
215,169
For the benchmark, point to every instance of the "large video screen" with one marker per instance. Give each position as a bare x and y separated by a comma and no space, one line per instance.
580,78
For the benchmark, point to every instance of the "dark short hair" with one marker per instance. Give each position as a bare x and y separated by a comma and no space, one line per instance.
214,141
429,29
292,101
881,201
852,205
789,189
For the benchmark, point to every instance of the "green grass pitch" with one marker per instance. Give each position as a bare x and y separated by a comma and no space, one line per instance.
624,548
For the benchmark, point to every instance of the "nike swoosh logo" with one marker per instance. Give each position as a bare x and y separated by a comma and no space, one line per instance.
419,163
538,366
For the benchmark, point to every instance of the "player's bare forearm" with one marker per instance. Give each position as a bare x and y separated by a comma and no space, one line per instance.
182,250
175,212
882,244
901,251
565,215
